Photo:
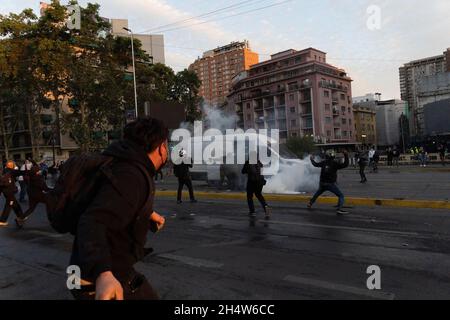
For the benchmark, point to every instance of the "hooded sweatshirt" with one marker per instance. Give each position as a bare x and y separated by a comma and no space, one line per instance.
112,232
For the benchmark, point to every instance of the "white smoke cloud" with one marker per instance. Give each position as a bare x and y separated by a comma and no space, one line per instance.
216,118
295,176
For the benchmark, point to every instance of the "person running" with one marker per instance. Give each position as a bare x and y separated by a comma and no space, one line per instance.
9,189
255,184
36,192
112,232
361,159
181,171
328,179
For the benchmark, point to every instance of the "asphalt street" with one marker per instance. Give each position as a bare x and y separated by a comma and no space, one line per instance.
408,182
212,250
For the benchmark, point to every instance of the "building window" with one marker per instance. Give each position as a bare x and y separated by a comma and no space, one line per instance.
291,97
328,133
349,122
351,134
342,96
343,109
248,105
344,133
293,134
327,107
326,94
328,120
344,121
293,123
293,110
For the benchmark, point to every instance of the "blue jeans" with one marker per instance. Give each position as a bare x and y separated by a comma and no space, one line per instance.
333,188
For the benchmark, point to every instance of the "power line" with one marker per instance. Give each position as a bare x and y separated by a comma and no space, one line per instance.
234,6
226,17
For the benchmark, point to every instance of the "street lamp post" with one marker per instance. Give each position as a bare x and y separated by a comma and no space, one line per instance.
134,70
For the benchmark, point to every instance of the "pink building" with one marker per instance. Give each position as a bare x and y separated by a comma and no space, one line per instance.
298,93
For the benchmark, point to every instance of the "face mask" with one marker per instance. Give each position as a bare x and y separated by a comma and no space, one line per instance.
163,162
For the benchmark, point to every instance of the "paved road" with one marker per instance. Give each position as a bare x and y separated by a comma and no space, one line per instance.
411,182
210,250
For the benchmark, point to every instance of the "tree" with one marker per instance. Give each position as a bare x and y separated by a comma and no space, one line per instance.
301,145
186,89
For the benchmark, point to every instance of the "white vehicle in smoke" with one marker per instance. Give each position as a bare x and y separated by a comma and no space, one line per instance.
292,175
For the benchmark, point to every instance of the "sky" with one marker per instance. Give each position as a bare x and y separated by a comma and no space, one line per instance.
407,30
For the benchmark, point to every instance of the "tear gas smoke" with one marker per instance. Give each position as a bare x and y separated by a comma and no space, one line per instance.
295,176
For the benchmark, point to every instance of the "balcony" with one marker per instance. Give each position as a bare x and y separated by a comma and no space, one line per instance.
328,85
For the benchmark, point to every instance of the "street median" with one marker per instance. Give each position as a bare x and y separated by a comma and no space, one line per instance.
349,201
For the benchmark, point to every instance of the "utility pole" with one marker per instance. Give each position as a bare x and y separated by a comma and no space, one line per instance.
134,71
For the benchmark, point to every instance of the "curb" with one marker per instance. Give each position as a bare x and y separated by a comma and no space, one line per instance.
364,202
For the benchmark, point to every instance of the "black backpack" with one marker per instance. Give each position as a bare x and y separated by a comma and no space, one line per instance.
80,178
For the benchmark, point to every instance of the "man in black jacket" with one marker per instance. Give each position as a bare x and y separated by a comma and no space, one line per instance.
181,171
255,184
112,232
328,178
9,189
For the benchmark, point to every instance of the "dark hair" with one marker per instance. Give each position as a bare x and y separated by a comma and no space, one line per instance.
147,132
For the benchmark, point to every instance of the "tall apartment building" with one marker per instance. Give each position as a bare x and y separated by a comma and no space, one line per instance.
365,122
412,75
217,67
297,92
152,44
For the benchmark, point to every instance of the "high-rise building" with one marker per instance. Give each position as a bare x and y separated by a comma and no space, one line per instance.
365,122
152,44
297,92
217,67
412,75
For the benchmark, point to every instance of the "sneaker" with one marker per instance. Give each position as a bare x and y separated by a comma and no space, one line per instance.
3,224
268,211
341,211
194,201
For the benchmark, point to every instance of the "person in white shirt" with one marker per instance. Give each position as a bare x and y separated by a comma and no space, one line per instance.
23,180
371,154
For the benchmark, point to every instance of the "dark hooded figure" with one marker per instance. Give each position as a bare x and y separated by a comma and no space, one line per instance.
36,191
328,178
255,184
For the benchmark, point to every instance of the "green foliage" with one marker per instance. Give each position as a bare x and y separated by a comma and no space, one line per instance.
301,146
43,64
